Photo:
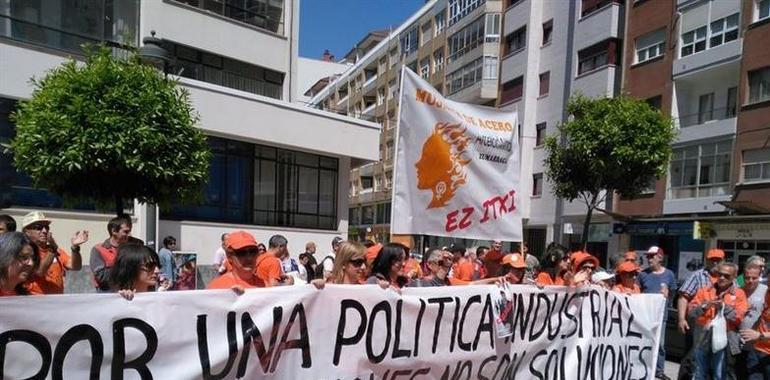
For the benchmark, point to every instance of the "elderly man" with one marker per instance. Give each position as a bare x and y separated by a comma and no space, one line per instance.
439,263
54,261
724,297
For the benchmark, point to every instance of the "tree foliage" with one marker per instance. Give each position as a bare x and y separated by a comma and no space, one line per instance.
109,130
618,144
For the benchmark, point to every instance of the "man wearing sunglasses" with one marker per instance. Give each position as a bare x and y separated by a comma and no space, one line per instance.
439,263
241,252
54,261
723,297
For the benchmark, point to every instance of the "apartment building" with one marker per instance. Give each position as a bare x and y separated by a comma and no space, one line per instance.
277,167
705,63
550,51
454,45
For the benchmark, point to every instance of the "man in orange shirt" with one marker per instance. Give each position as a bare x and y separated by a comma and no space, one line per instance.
241,251
627,272
493,258
268,267
515,267
758,358
54,261
463,268
723,297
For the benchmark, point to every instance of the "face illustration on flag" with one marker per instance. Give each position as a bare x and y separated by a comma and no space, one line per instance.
457,167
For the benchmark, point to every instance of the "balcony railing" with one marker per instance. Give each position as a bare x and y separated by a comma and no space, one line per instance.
705,116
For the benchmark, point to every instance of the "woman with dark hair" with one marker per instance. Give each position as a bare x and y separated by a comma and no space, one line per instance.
554,266
18,260
136,270
389,266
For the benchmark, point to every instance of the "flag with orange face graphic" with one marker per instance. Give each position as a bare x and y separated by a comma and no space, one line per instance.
457,167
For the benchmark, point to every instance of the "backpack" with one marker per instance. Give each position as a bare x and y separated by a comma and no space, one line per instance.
319,269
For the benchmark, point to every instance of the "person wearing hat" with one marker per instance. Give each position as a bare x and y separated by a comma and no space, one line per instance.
241,251
583,266
657,279
702,278
626,273
604,279
514,268
54,261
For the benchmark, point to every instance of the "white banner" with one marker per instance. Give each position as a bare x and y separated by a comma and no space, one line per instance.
457,167
341,332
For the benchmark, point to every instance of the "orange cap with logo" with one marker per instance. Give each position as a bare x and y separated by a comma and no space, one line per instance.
514,260
240,239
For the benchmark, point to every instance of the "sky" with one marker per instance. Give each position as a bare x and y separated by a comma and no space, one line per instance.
338,24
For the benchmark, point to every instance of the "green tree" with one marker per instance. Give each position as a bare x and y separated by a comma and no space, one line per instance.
110,130
608,145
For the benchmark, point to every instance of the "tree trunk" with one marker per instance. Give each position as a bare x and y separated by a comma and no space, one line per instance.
586,227
118,205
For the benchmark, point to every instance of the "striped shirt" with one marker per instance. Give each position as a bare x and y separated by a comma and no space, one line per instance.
699,279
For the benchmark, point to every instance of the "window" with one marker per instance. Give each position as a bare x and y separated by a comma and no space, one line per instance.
596,56
693,41
724,30
263,185
756,165
367,215
471,73
591,6
467,39
490,67
388,179
412,65
393,57
393,88
342,91
460,8
366,182
512,90
68,24
537,184
547,32
382,65
650,46
265,14
377,183
440,20
426,33
759,85
383,213
389,150
381,95
492,28
540,134
705,108
732,100
438,60
354,216
408,41
655,102
763,9
425,67
516,40
545,81
701,170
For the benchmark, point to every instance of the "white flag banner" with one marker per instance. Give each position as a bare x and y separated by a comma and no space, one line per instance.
457,167
340,332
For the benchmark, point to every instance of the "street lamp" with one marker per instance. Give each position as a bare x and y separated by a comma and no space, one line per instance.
154,54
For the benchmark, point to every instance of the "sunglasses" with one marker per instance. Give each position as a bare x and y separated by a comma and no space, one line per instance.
442,263
357,262
725,275
149,267
40,226
253,251
591,267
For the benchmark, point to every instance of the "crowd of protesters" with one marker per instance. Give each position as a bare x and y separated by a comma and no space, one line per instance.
33,263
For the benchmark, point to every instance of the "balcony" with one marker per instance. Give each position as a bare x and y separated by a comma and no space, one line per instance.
513,65
728,53
598,82
599,25
714,123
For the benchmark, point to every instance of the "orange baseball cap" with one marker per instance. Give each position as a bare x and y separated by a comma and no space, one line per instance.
580,258
715,253
630,256
514,260
240,239
627,267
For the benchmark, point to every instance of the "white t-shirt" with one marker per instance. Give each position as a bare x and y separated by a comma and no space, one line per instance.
219,258
328,263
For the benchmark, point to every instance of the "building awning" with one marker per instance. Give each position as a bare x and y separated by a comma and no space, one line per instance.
745,207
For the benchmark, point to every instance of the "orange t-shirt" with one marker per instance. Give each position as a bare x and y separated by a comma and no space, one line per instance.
463,270
763,345
735,298
268,268
413,265
492,262
228,280
53,282
543,279
622,289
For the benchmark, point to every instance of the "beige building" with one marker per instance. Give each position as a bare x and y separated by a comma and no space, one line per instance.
454,45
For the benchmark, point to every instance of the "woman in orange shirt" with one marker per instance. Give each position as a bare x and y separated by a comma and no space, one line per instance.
554,267
17,263
626,273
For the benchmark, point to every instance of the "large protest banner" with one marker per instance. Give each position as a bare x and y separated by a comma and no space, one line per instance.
457,167
340,332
